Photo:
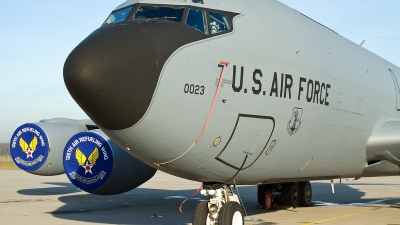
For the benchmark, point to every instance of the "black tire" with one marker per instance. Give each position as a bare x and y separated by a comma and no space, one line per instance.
262,188
290,194
305,194
200,214
230,214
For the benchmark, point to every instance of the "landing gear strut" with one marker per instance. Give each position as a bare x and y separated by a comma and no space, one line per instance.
291,194
222,209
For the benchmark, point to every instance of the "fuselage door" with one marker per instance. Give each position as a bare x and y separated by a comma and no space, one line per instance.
247,141
396,86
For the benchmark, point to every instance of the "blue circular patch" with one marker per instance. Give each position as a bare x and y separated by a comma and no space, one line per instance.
88,160
29,147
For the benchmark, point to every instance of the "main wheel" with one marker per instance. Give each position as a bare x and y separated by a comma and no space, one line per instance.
200,216
305,193
290,194
262,188
231,213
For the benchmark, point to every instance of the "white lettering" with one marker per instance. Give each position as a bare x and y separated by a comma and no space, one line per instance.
69,152
42,141
91,139
104,153
75,143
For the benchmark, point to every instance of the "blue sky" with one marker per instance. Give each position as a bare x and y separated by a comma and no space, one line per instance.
37,36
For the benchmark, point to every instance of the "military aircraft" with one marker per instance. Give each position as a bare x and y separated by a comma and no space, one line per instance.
224,92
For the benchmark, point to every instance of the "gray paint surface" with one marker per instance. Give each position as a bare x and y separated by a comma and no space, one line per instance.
274,39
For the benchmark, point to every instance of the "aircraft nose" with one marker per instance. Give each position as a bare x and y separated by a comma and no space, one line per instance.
112,75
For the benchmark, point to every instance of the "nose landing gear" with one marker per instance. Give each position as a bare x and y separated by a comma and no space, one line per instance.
222,209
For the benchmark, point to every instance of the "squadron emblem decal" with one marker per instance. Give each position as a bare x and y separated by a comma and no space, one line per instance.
32,156
88,160
295,122
28,149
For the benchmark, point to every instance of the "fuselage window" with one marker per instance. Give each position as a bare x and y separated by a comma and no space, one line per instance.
118,16
197,19
156,13
218,23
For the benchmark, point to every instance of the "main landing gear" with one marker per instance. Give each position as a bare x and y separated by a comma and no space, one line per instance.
291,194
222,209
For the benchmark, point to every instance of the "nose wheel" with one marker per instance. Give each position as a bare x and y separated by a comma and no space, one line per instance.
222,209
201,215
231,214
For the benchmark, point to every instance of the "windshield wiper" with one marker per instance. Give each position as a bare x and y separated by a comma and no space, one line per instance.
161,18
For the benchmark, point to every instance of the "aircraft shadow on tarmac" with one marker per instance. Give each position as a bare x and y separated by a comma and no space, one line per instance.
158,206
63,188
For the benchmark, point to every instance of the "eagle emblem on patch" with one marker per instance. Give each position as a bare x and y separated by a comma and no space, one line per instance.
87,163
295,122
28,149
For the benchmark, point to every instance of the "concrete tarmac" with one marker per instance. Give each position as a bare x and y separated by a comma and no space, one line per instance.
30,199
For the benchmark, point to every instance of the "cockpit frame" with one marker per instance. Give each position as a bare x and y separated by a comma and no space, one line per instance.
130,19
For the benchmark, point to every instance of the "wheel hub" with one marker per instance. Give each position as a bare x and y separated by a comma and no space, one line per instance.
237,219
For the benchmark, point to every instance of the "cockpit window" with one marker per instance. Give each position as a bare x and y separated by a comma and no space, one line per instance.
157,13
118,16
218,22
198,1
197,19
